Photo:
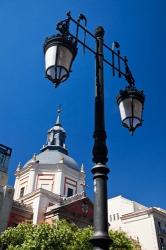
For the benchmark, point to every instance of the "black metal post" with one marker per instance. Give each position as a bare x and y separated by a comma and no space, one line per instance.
100,240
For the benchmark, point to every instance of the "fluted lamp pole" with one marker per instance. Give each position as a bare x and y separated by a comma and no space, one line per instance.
60,51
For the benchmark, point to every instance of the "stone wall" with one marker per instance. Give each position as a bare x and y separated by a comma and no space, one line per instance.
6,200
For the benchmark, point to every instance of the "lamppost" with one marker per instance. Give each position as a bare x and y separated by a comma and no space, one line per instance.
5,154
60,51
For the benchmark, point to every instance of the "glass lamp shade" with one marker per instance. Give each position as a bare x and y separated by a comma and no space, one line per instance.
131,102
59,54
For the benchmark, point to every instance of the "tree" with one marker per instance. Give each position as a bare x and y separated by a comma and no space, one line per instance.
122,241
60,236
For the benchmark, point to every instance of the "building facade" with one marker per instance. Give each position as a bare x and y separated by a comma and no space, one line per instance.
147,225
51,185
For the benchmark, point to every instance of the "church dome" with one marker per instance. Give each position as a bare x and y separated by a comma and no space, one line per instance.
54,157
55,151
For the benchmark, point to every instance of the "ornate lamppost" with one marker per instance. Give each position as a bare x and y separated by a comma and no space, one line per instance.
60,51
5,154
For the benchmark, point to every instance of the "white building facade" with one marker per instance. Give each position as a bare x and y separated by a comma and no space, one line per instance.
147,225
49,177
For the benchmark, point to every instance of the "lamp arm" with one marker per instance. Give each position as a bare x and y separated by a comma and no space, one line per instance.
128,75
64,28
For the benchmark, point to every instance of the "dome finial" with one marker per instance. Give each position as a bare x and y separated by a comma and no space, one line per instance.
82,169
34,157
18,167
59,110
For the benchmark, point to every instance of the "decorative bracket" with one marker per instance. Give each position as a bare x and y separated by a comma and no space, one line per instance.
64,28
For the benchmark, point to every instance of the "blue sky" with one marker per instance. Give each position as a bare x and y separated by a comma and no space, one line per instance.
28,101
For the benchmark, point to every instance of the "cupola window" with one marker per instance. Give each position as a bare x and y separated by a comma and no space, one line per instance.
22,192
69,192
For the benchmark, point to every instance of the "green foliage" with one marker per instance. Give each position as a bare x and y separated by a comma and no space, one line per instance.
60,236
120,241
81,239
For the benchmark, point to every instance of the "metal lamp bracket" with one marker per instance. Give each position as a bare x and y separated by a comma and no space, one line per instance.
64,28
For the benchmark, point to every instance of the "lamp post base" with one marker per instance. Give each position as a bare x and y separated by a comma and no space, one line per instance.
100,241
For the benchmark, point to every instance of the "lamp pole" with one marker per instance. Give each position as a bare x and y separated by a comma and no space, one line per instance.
60,51
100,239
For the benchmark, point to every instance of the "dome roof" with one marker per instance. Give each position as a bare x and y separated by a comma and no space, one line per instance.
53,157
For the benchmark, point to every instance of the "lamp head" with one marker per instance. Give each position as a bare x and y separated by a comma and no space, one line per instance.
131,104
60,51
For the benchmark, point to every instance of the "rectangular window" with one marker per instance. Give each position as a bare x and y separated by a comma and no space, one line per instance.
117,216
114,216
110,217
22,192
69,192
45,186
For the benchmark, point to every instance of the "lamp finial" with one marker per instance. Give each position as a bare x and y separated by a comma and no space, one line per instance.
59,110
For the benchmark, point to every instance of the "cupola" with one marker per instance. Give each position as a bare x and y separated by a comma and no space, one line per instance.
56,136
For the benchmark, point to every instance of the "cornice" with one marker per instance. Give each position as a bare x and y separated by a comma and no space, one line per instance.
147,211
37,193
38,166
